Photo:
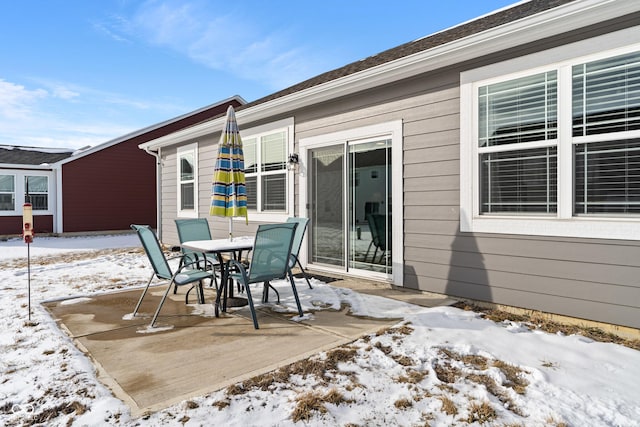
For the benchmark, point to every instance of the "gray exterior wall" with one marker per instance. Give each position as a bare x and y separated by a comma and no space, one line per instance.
207,151
585,278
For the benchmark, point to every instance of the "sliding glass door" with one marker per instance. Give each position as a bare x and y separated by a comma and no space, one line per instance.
349,205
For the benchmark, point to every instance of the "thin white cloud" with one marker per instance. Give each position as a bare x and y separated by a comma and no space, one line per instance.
57,114
114,28
229,41
18,101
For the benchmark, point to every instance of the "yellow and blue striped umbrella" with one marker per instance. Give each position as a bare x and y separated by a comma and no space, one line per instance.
228,191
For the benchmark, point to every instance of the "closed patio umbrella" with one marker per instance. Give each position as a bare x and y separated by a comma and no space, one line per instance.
228,192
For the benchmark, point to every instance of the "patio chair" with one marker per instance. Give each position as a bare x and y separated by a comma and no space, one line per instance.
186,274
270,261
195,229
297,243
378,228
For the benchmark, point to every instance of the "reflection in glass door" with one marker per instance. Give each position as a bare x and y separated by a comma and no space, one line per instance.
350,206
327,206
370,206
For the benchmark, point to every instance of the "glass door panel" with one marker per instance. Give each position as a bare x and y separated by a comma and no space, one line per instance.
327,206
370,206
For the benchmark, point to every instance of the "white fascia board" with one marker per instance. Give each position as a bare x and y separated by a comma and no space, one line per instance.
561,19
15,166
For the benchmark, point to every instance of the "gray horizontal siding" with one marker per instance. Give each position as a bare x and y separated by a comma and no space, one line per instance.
584,278
207,152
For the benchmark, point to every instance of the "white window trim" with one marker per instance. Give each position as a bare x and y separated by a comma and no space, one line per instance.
287,126
391,130
564,223
180,212
20,191
15,195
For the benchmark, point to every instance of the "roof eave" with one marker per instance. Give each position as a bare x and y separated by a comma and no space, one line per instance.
561,19
145,130
21,166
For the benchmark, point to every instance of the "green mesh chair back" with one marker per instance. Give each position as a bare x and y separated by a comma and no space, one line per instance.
192,229
300,230
271,252
270,261
297,244
185,274
154,251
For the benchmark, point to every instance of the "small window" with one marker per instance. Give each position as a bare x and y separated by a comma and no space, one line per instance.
265,161
187,181
37,187
7,193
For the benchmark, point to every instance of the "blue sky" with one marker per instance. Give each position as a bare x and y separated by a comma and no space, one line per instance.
80,72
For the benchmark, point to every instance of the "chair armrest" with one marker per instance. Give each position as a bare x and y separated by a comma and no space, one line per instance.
198,262
238,266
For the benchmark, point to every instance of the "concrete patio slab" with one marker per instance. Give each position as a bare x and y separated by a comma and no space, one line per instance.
197,354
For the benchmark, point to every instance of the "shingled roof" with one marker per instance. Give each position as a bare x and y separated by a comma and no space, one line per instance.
511,14
32,155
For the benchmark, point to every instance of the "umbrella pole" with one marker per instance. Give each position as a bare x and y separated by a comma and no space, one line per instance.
230,229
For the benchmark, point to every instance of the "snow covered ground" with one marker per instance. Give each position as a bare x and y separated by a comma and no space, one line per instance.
439,367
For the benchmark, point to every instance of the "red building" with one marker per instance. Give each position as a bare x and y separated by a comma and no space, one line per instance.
102,188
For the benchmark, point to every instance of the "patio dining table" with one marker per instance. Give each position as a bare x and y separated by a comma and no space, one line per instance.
220,247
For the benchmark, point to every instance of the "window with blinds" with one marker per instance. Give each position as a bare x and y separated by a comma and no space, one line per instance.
265,159
607,177
519,181
606,95
517,111
514,118
606,102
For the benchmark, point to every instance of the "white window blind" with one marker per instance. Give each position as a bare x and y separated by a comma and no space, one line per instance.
513,177
607,178
606,95
250,153
265,159
274,152
519,110
519,181
606,101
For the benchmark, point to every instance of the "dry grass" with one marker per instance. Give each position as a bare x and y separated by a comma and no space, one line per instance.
48,414
481,413
514,375
538,320
448,406
474,370
313,402
403,360
318,367
404,329
412,377
221,404
452,369
446,372
403,403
